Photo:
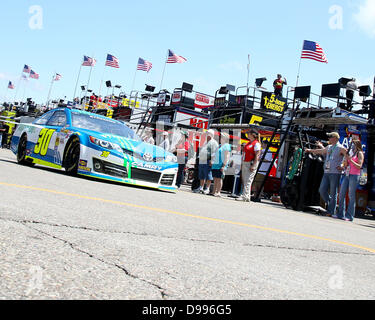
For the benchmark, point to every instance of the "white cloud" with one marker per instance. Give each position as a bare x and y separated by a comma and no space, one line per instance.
365,17
233,66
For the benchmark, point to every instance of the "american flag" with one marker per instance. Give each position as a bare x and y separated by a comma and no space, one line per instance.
26,69
174,58
144,65
10,85
57,77
88,62
34,75
112,61
311,50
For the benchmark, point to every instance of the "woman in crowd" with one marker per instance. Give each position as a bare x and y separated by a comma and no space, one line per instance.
250,164
220,163
352,165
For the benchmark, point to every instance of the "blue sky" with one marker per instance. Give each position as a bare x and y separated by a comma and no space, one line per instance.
214,36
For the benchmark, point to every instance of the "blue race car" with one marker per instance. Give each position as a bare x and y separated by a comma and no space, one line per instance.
92,145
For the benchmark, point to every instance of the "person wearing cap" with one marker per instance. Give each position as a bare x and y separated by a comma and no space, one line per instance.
278,85
334,154
205,163
165,141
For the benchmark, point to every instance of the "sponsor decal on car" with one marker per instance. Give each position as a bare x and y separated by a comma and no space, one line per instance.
83,166
146,166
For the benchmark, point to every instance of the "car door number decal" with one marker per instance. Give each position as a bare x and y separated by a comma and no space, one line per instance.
42,144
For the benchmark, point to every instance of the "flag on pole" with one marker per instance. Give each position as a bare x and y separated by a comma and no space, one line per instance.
144,65
311,50
88,62
34,75
26,69
112,61
174,58
10,85
57,77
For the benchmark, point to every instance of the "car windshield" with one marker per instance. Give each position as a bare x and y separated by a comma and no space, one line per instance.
102,125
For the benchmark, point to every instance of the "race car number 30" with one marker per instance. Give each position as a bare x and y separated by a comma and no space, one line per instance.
42,144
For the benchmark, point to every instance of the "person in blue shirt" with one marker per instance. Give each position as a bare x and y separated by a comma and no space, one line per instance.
220,163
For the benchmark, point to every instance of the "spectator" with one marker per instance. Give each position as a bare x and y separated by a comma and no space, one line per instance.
265,165
278,85
329,186
165,143
181,150
250,162
220,164
147,137
205,163
4,134
351,86
353,164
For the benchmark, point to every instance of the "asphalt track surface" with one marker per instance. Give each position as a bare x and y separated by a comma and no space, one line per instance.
65,237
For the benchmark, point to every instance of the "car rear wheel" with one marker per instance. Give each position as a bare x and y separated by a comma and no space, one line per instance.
71,159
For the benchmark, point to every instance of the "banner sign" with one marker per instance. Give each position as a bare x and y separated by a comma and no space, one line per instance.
273,103
127,103
203,101
176,97
161,98
193,119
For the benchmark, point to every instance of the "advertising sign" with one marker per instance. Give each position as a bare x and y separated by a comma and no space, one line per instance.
176,97
193,119
273,103
203,101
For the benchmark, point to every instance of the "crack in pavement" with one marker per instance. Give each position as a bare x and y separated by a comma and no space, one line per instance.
25,221
163,294
107,231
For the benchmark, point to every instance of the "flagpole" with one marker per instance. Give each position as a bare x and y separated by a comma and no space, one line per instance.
101,81
6,93
135,74
75,90
24,90
88,82
248,75
162,77
19,82
49,93
299,67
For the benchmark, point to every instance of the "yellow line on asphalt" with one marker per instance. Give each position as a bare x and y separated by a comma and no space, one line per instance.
121,203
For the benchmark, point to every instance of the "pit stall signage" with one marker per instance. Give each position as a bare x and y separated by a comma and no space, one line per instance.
202,101
191,118
176,97
273,103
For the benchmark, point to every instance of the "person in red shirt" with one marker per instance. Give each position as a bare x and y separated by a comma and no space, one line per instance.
181,150
278,85
250,160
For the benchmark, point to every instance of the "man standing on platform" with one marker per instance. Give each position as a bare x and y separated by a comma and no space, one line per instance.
278,85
